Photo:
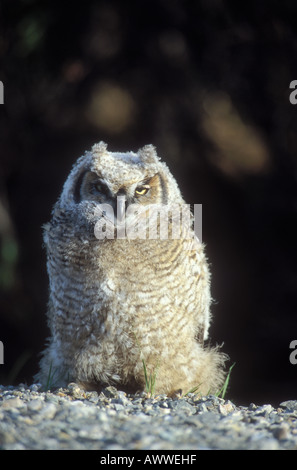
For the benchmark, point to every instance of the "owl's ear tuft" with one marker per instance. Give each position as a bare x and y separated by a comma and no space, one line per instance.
100,148
148,154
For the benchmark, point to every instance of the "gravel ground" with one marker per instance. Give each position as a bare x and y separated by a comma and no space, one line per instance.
70,418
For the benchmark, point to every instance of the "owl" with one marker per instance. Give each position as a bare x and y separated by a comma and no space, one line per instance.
129,284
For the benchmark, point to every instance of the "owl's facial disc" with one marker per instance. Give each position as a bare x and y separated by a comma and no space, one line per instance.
113,199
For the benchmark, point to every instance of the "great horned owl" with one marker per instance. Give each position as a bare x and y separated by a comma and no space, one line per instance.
121,304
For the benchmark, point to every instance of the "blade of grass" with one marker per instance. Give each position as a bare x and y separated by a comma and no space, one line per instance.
223,390
192,390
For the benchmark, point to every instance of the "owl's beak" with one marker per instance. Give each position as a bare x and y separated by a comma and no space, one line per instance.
121,208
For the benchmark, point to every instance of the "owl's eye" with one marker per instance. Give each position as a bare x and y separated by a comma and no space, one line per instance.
142,190
100,187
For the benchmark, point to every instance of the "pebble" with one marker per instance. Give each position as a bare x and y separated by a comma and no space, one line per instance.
71,418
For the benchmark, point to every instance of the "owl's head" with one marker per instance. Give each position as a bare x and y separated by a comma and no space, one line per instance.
100,177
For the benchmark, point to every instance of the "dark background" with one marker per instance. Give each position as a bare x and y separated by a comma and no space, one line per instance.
206,82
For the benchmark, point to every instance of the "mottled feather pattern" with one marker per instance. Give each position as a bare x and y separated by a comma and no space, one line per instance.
114,303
